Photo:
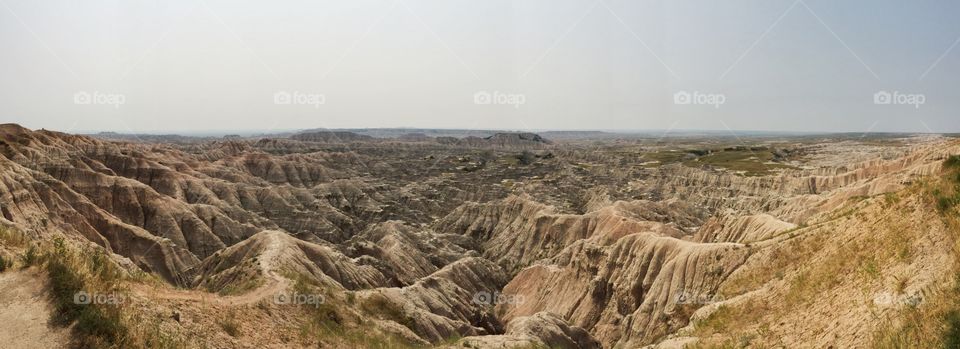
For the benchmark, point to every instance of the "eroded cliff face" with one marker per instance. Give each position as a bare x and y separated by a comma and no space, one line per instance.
166,209
796,195
743,229
630,280
454,241
516,231
628,289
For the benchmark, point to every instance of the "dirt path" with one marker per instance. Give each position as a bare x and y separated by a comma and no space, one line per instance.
25,313
274,285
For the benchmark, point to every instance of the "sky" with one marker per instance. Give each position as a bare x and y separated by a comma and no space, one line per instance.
200,65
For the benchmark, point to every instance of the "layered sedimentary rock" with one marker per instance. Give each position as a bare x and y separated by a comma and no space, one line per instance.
445,304
269,254
626,289
517,231
541,329
743,229
330,136
500,241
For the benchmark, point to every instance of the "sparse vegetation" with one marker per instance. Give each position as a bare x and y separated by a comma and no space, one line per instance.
785,257
4,264
727,319
600,212
12,237
72,273
229,324
333,323
952,162
947,193
379,305
104,322
891,199
936,322
31,257
751,161
246,284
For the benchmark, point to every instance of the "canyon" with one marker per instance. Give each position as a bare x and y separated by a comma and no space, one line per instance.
495,240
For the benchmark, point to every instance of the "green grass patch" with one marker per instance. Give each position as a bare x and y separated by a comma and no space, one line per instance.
750,162
664,157
952,162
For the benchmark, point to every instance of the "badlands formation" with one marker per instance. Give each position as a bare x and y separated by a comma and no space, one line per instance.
503,240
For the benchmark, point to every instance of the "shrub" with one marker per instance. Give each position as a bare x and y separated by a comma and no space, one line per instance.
12,237
951,337
30,257
526,158
944,203
952,161
71,272
230,325
4,264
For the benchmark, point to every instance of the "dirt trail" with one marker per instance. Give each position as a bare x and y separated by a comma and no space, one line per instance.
25,313
274,285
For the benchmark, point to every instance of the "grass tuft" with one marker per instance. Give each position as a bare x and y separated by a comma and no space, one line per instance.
5,264
71,272
380,306
31,257
230,325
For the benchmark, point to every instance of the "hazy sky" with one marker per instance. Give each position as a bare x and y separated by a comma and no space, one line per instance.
150,66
